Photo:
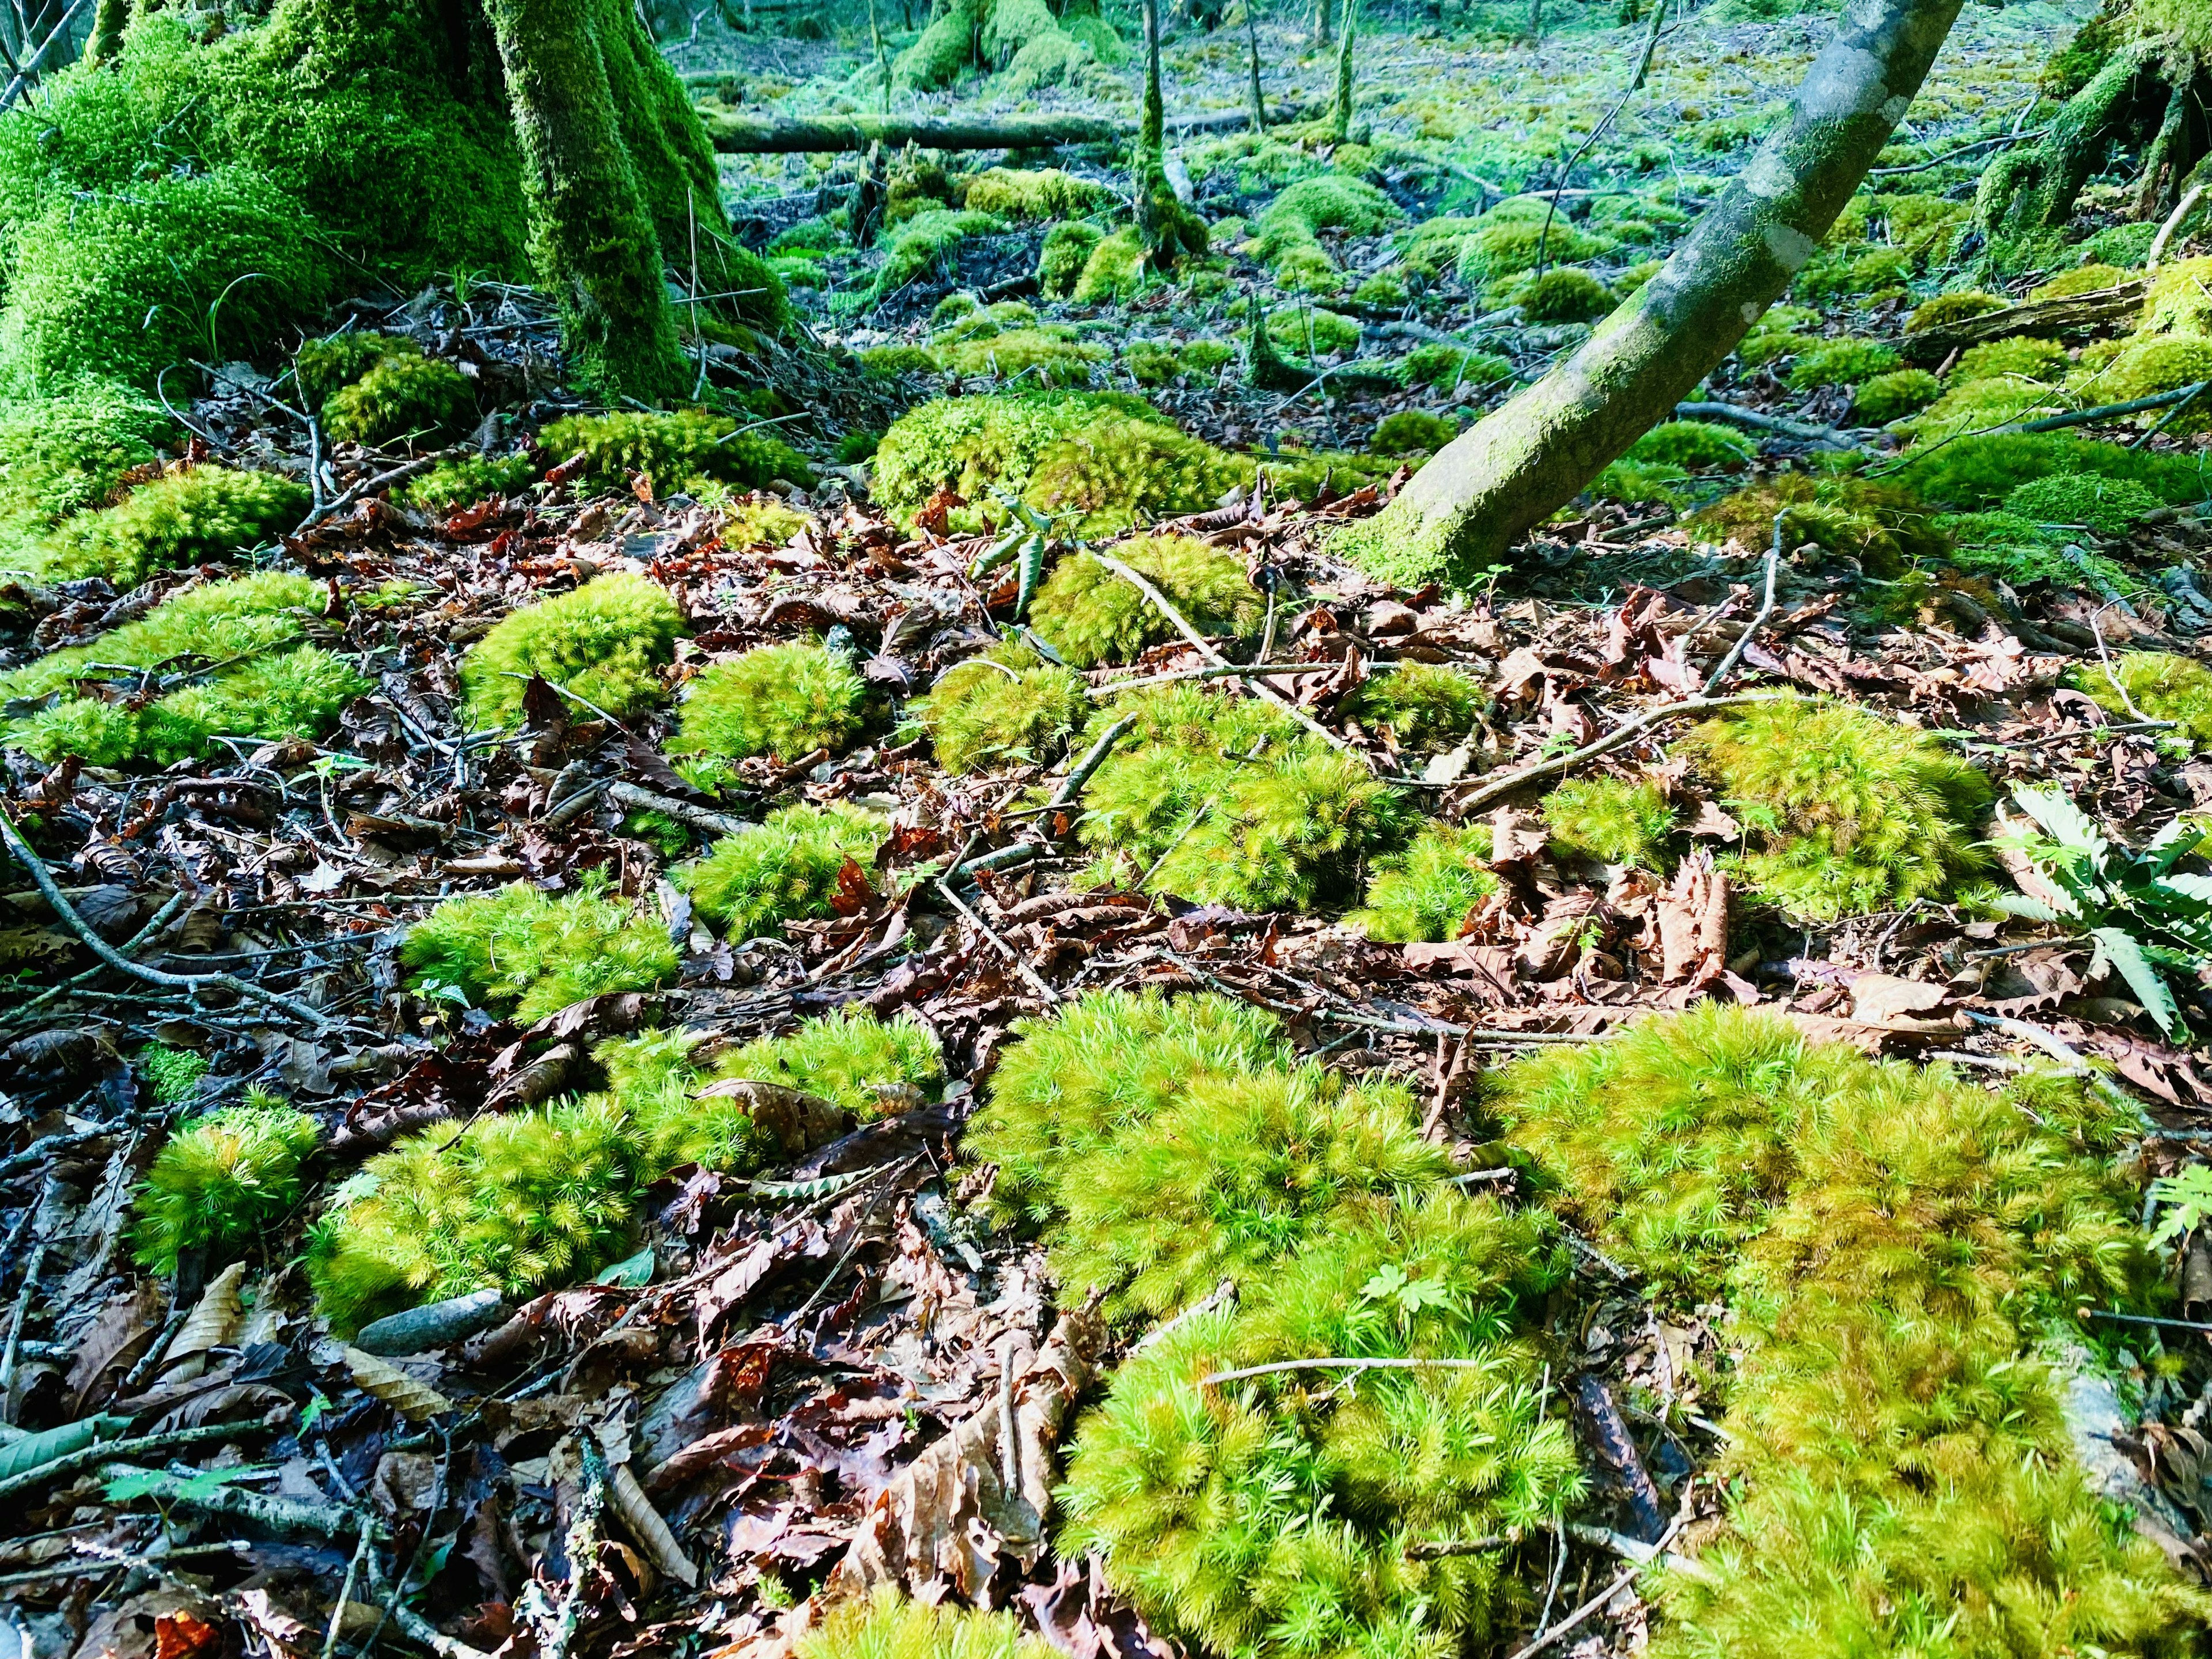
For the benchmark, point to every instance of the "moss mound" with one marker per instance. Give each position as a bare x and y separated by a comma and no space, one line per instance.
1065,250
71,453
1613,820
889,1627
672,450
1091,615
1228,801
1426,892
1045,194
1420,705
220,1182
197,514
2164,686
1564,295
402,397
529,953
785,869
601,642
1006,708
1889,396
982,445
849,1058
782,700
1861,814
1881,526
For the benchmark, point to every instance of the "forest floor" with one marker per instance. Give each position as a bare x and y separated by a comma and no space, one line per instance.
854,1358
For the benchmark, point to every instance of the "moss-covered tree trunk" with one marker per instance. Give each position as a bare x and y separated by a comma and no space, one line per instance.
1340,118
592,231
1170,230
105,43
1473,501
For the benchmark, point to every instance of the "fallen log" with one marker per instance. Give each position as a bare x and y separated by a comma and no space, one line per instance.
2045,319
755,135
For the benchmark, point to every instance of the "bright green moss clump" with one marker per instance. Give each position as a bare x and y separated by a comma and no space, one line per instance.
336,361
1861,814
1007,707
467,479
172,1075
2164,686
602,642
849,1058
199,514
1412,432
1052,355
2111,507
1113,269
1426,892
785,869
889,1627
1692,446
1067,248
1091,616
1421,705
673,450
1119,470
220,1181
1046,194
404,396
1228,801
783,700
533,953
980,445
1613,820
1840,363
1564,293
69,453
1893,396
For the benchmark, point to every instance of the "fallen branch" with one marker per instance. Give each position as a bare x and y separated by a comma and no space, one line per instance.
2110,412
1334,1363
1962,151
2044,318
1021,965
749,134
2196,193
191,983
1733,414
282,1517
1765,610
1499,789
699,818
107,1451
1093,758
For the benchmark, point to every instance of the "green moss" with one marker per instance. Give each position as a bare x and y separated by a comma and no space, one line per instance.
815,235
1882,527
1859,814
2083,279
402,397
1694,446
196,515
672,450
1048,60
927,246
1425,892
466,479
602,642
1613,820
220,1182
529,953
1007,707
1151,362
172,1075
1047,194
787,869
294,694
1119,470
1955,307
890,361
1229,802
980,446
1412,432
1447,368
887,1625
336,361
849,1058
1501,250
1311,331
1841,362
1113,269
2177,303
2111,507
1563,293
1092,617
1289,228
2149,366
1421,705
2163,686
942,50
221,620
1757,350
2021,356
1385,290
1892,397
1052,356
781,700
1859,277
1978,471
69,453
1065,251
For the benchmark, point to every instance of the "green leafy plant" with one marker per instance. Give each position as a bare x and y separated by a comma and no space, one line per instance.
534,953
781,700
785,869
221,1181
1425,892
186,517
2186,1197
1613,820
2147,917
673,449
405,395
886,1625
1008,707
602,642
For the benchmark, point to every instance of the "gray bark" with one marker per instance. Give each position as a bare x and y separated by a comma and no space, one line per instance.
1473,501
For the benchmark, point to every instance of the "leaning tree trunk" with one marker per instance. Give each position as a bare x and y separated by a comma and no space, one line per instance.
1467,505
592,230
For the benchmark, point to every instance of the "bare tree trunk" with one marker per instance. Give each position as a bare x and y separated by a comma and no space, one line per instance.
592,233
1252,39
1348,32
1473,501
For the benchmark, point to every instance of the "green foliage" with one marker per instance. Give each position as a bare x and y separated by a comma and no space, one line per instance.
529,953
1693,445
69,453
1007,707
1151,362
2111,507
1841,362
941,52
1098,1066
887,1625
2082,279
467,479
1613,820
1837,274
1865,815
1052,356
848,1057
1508,248
1119,470
200,514
172,1075
2163,363
1385,290
927,246
784,869
1273,1517
1047,194
153,276
1893,396
1447,368
2022,356
983,446
293,694
1979,471
781,700
1067,248
1953,307
1764,346
672,450
1113,269
1425,892
1289,226
404,396
1881,526
1229,1177
1412,432
1311,331
2176,302
602,642
1092,617
328,365
1226,801
220,1181
2146,918
1423,705
1564,293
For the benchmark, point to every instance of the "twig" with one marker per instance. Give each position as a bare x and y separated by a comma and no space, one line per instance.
699,818
1735,415
16,1325
2107,411
1967,149
1635,85
2195,194
1619,1583
1021,963
1235,671
397,475
107,1451
1337,1362
1499,789
1765,610
191,983
2105,656
162,918
1093,758
2145,1319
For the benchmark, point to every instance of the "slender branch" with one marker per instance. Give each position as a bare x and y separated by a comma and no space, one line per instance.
1620,1582
1021,963
1093,758
2189,200
1964,150
1499,789
1765,610
1336,1363
1635,85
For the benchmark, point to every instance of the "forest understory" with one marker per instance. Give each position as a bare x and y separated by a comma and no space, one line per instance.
762,898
